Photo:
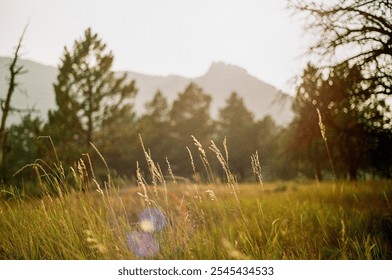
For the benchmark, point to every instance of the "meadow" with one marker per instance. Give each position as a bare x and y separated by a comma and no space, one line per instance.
166,218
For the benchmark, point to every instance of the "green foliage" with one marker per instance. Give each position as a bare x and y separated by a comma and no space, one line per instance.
348,86
189,115
154,128
95,106
236,124
118,140
275,149
353,117
22,146
88,95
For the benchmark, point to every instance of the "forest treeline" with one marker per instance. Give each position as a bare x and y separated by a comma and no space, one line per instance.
342,126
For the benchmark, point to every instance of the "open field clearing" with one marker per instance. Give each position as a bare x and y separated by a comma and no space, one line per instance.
286,220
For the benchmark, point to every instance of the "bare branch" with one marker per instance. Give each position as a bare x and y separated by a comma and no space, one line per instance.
362,28
6,104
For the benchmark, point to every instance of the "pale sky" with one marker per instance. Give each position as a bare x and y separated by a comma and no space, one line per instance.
162,37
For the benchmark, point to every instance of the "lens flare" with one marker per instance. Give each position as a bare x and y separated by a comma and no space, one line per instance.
142,244
156,217
147,226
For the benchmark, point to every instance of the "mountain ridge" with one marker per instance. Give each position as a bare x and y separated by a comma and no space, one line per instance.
220,80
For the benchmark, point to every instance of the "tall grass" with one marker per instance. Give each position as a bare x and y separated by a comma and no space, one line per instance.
82,218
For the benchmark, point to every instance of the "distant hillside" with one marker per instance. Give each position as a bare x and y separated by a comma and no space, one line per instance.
35,89
260,98
219,81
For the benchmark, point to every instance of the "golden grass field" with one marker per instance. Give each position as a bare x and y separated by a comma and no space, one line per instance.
283,220
78,216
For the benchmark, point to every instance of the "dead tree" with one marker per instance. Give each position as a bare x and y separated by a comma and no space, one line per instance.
14,70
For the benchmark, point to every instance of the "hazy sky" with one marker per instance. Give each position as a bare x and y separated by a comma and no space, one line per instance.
163,36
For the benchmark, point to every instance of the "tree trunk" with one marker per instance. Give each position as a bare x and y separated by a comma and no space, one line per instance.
89,129
6,107
90,121
6,104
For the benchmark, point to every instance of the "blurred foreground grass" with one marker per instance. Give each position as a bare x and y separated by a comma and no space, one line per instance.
284,220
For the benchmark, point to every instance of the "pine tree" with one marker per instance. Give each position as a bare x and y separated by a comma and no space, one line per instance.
154,127
354,118
22,146
189,116
190,113
87,93
236,123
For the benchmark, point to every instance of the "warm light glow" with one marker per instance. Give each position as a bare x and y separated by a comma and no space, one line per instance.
163,37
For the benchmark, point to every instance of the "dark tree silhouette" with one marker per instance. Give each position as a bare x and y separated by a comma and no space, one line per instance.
189,115
154,128
352,31
88,93
237,124
353,118
15,70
